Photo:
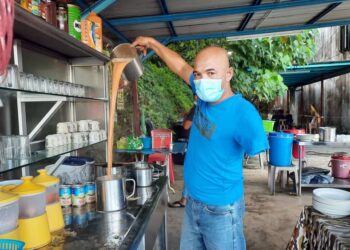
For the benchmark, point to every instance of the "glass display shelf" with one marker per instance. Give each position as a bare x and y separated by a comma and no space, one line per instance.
37,156
13,92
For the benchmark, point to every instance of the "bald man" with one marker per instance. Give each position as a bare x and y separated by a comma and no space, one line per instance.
225,126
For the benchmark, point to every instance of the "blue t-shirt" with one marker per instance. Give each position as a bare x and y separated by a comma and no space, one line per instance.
219,136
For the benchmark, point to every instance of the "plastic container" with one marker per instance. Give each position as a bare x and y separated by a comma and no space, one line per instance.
9,210
280,148
11,244
74,16
147,142
340,168
72,171
268,125
89,170
32,200
91,31
161,138
295,150
52,186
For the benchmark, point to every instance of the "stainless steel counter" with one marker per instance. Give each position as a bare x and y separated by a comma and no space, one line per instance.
141,226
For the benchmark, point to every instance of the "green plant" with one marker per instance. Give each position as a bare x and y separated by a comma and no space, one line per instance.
256,64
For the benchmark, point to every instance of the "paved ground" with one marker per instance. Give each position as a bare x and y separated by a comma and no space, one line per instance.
269,220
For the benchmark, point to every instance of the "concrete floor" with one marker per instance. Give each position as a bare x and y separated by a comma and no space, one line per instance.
269,220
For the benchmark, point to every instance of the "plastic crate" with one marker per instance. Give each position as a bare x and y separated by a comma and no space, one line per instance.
268,125
161,138
11,245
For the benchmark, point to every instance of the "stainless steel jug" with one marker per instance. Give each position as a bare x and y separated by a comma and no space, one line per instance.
134,69
143,174
111,193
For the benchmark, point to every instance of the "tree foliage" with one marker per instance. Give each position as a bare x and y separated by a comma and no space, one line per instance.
256,64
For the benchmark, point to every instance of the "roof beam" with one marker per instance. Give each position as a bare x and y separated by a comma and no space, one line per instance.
97,7
165,11
113,30
218,12
260,31
323,13
247,18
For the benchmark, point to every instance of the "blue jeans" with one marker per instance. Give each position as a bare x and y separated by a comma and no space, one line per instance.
213,227
184,192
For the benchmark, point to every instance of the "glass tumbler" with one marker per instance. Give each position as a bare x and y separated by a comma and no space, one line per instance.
8,147
12,76
21,147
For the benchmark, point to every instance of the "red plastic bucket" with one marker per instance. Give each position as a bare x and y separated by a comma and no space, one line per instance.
340,168
295,151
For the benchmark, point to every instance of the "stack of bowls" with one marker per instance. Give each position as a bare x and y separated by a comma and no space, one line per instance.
332,202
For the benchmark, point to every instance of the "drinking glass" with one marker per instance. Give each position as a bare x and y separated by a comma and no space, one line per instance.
56,87
22,81
30,82
43,85
12,76
7,145
21,147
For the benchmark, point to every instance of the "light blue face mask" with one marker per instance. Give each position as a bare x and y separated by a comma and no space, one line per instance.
209,90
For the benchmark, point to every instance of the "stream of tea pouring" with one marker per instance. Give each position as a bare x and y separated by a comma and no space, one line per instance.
118,66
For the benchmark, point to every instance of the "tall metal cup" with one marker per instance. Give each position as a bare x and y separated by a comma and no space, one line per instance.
111,193
134,69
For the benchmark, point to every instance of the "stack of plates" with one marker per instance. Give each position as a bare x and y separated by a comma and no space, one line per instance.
332,202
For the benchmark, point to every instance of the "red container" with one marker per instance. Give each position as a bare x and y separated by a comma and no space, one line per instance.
295,151
340,168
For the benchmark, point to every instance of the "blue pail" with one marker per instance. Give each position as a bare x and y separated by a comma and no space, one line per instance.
280,148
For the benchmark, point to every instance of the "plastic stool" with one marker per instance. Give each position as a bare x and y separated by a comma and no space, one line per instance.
273,171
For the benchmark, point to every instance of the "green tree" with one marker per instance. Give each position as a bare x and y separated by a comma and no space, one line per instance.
256,64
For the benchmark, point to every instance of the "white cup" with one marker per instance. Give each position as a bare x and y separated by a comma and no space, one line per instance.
50,141
83,125
94,126
62,128
103,135
77,138
85,137
94,136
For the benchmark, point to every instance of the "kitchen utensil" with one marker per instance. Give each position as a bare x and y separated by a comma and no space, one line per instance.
332,202
327,134
143,174
101,169
53,206
110,191
144,193
33,222
9,210
134,69
305,137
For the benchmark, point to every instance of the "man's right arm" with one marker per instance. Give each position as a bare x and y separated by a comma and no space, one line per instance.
172,59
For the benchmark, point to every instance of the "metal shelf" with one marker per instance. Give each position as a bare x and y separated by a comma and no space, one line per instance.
42,94
34,29
329,144
41,155
337,183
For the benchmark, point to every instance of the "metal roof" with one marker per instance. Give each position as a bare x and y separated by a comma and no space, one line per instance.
296,76
179,20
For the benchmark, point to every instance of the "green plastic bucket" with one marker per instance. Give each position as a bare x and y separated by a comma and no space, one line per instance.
268,125
74,16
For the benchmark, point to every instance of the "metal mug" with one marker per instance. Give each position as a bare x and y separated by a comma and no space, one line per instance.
111,193
143,176
134,69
